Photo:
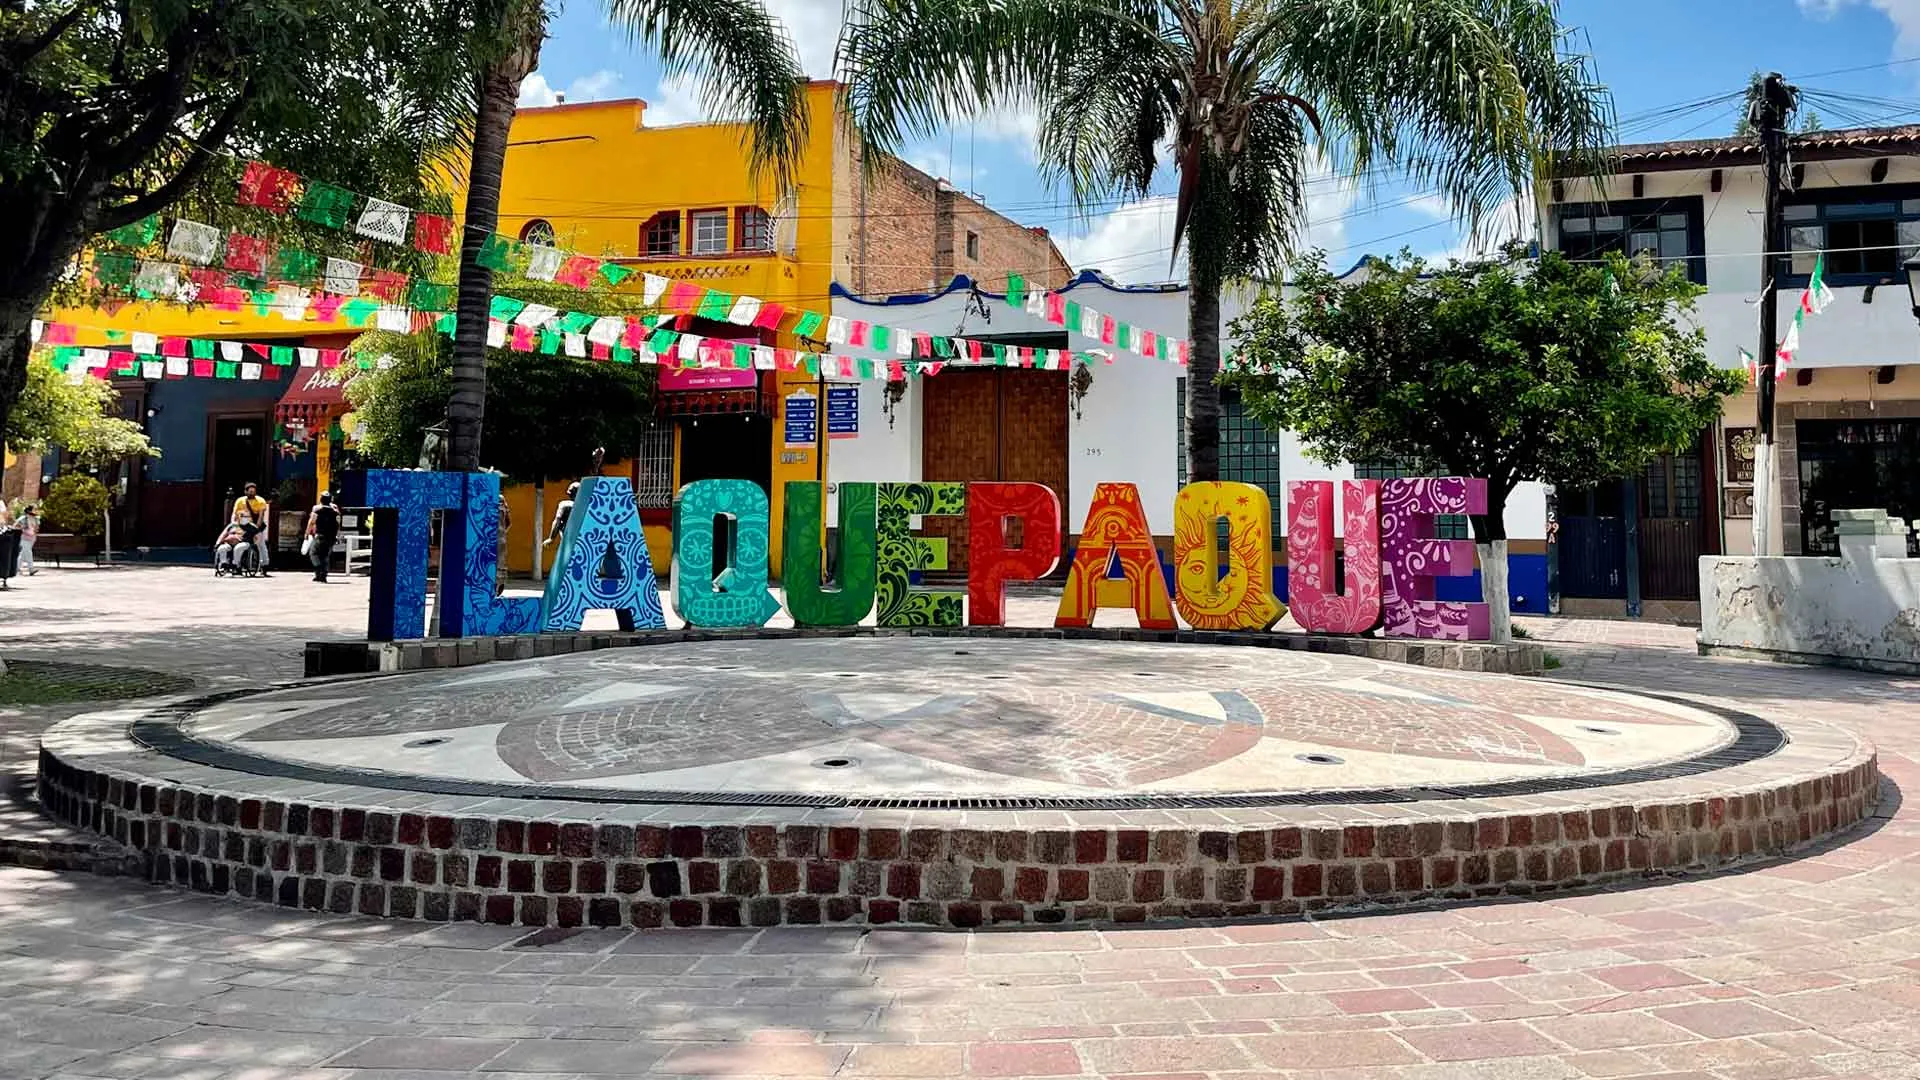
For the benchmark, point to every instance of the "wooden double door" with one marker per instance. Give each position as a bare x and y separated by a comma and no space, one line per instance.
992,424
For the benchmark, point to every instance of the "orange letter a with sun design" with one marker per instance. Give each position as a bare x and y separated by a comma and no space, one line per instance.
1243,598
1116,532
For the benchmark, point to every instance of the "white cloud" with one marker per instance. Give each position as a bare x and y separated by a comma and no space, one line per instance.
534,92
601,84
936,163
1130,244
1330,200
814,26
1513,219
1434,206
675,100
1904,14
537,92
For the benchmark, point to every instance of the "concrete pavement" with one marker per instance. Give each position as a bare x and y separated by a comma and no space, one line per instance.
1808,967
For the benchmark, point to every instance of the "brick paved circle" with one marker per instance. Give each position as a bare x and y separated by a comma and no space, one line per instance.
1092,783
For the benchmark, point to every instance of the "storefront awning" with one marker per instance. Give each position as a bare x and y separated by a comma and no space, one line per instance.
317,396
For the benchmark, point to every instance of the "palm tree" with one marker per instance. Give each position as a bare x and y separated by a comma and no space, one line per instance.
1472,98
749,69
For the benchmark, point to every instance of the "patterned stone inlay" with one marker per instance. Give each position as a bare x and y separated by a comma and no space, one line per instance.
989,716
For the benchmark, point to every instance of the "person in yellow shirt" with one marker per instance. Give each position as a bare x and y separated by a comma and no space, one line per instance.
252,504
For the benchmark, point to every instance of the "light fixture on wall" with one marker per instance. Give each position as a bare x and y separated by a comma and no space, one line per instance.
895,393
1912,267
1077,387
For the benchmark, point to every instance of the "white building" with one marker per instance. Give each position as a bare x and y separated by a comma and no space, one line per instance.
1848,410
995,423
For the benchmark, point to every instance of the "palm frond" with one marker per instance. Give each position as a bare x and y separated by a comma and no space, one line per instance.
1469,97
745,64
912,67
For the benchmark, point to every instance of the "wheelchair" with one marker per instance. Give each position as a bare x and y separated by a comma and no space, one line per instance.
246,563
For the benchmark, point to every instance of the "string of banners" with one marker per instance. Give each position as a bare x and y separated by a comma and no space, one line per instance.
217,265
524,328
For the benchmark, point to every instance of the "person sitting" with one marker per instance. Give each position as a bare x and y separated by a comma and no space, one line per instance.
255,507
240,534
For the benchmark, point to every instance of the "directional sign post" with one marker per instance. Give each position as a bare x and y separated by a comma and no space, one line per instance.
843,412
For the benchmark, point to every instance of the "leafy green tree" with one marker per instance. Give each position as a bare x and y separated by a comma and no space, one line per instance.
748,69
1509,371
111,112
76,417
1472,98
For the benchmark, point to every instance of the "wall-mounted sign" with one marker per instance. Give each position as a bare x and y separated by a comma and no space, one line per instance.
843,412
674,378
1740,442
801,411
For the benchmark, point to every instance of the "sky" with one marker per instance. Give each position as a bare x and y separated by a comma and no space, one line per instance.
1658,57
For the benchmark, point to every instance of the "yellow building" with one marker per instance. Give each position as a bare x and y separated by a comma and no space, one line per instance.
679,201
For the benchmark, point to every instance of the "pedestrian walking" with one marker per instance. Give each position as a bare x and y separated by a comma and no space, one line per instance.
323,529
29,525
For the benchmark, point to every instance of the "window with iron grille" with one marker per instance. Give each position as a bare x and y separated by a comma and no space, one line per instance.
709,232
1445,526
1249,452
538,232
662,234
653,462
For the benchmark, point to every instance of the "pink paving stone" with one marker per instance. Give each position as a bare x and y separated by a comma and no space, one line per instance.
1472,1042
1162,1055
1344,1050
1727,1019
1642,976
1379,1001
1022,1059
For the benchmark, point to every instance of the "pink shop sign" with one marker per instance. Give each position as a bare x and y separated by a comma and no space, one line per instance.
720,378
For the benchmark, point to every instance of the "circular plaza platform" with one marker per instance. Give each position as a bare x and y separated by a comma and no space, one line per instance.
936,780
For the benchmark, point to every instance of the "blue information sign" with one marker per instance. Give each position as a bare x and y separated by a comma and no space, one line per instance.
843,412
802,418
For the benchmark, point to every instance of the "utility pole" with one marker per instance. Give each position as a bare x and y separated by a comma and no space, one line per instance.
1768,110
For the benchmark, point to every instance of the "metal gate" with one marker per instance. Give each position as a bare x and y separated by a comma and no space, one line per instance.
1593,544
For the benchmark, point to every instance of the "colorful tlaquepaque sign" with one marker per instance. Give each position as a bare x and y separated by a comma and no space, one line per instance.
1392,556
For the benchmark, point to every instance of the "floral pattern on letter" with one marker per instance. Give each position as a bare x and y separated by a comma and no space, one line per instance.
1311,596
1413,557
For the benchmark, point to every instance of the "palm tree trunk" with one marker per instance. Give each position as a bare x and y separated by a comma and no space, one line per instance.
1203,364
499,97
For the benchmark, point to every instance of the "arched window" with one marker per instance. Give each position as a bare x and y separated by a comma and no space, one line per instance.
661,234
538,232
755,229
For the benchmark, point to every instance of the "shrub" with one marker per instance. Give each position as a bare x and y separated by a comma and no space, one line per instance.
77,504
